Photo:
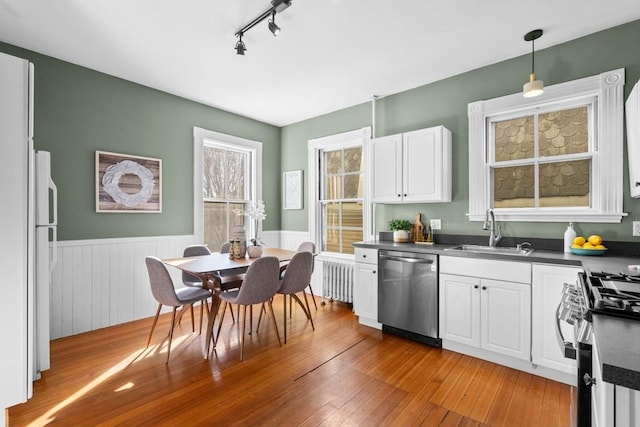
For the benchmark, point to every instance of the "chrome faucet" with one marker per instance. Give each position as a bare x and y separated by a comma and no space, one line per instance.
495,235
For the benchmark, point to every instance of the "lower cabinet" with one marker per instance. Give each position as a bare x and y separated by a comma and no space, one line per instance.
365,301
546,292
493,315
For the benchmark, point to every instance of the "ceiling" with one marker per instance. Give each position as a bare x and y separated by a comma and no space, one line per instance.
330,54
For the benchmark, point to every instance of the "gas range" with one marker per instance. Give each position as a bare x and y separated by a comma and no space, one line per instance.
612,294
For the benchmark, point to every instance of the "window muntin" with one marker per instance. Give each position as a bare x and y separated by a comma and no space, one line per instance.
341,198
542,158
226,190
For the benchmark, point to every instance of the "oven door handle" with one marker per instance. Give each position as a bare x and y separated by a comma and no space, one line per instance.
568,349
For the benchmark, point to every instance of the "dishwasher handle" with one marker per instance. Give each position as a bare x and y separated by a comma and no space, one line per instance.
411,260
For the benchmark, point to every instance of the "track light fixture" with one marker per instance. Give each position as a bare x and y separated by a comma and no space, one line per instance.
240,47
534,87
277,6
272,24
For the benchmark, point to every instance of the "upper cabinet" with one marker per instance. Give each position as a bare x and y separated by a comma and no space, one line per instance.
633,139
413,167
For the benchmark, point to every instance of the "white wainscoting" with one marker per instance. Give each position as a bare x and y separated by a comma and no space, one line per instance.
104,282
99,283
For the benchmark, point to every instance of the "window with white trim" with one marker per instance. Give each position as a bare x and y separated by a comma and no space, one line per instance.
557,157
339,213
227,175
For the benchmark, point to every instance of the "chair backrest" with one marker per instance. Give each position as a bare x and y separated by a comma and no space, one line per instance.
261,282
307,247
225,248
298,273
194,250
161,283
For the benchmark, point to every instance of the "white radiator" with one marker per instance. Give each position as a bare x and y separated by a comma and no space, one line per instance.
337,281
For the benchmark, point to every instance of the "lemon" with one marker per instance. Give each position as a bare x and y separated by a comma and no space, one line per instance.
579,241
588,245
576,246
595,240
600,247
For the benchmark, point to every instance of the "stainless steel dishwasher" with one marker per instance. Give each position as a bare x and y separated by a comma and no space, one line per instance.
408,295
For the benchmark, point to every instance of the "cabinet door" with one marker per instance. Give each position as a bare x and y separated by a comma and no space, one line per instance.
365,303
427,165
505,309
387,169
459,309
546,292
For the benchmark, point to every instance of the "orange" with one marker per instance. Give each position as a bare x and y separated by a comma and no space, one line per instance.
579,241
595,240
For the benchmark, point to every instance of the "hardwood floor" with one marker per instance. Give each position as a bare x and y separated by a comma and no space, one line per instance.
340,374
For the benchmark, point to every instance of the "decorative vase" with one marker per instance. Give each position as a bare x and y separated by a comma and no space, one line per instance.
254,251
401,236
240,234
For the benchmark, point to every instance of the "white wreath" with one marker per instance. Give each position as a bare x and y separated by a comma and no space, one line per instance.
111,183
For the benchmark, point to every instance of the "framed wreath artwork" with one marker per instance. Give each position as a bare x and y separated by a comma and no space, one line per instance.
126,183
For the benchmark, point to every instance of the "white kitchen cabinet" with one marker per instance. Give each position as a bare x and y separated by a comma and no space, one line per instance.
633,139
365,301
486,304
546,292
490,314
413,167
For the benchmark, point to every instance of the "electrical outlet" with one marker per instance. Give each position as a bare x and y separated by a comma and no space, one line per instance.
436,224
636,228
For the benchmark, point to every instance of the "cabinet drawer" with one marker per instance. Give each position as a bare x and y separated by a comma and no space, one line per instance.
367,256
509,271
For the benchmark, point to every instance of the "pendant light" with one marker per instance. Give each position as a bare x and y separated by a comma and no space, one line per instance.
534,87
240,46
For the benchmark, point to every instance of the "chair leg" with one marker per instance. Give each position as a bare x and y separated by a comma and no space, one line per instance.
275,324
313,298
244,322
224,308
262,310
308,310
284,300
173,322
153,326
233,318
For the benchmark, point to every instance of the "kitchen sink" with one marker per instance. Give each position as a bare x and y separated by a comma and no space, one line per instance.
478,249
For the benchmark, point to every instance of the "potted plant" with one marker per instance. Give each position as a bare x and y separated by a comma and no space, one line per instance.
255,211
400,228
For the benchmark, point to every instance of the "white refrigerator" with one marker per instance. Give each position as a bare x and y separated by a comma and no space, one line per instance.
27,238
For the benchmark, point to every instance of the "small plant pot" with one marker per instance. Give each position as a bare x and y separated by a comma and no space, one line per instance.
254,251
401,236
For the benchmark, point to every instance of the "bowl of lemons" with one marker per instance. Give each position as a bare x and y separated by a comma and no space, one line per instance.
589,246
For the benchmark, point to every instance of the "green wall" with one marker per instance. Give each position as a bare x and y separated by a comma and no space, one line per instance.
79,111
445,103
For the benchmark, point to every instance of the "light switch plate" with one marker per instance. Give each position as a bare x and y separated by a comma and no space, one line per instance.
436,224
636,228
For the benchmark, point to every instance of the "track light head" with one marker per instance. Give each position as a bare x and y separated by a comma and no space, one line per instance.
240,46
275,30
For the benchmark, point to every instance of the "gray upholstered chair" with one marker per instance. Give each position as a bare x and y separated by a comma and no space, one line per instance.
309,247
296,279
164,292
189,279
225,247
260,284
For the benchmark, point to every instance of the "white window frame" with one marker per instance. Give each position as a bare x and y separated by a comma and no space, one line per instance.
204,136
360,137
606,183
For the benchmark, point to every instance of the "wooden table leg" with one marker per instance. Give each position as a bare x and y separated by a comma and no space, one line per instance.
213,285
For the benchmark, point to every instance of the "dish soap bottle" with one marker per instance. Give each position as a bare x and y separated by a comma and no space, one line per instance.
569,235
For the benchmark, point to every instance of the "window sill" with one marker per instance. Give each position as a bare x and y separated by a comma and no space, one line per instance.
552,217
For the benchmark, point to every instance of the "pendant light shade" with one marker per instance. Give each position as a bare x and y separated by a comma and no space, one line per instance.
534,87
240,47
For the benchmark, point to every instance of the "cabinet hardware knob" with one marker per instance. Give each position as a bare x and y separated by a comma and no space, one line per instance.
399,195
364,256
637,183
405,195
475,286
374,272
588,379
484,288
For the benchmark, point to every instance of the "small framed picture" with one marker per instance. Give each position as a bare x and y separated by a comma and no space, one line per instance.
292,190
126,183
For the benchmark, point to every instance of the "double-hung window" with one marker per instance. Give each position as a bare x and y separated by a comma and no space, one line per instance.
227,177
339,215
557,157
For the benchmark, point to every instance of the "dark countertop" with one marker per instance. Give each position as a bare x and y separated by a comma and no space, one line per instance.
618,338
